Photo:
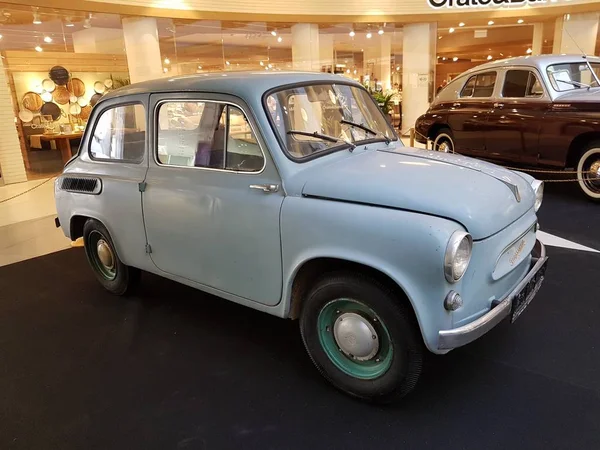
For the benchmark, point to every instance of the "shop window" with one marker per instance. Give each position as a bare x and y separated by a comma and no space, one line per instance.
480,85
120,134
521,83
208,135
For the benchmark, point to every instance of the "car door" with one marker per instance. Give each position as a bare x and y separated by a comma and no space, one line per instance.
467,117
213,197
516,118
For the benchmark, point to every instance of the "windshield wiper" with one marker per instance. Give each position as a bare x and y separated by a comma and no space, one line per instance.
367,129
324,137
576,84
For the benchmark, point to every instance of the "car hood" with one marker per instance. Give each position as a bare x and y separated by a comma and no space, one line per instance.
480,196
580,96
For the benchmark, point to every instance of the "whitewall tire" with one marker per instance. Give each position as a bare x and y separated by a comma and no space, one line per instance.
443,143
588,172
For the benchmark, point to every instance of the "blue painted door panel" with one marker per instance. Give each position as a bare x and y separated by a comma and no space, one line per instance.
209,226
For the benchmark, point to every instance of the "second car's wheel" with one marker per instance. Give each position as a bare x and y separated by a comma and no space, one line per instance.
361,337
443,141
110,271
588,171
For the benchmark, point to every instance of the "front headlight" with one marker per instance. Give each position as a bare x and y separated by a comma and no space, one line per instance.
538,188
458,256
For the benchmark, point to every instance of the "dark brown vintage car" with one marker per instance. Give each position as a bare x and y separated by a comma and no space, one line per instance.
528,111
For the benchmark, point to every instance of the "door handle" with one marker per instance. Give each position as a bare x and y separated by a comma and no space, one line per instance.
268,188
456,105
499,105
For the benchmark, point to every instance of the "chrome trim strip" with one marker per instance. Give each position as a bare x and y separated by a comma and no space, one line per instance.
457,337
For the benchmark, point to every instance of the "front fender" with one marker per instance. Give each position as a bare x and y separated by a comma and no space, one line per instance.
408,247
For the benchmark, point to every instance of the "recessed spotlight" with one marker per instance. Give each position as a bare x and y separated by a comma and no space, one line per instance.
352,33
369,35
165,70
347,70
355,71
37,19
228,63
279,39
528,51
491,22
69,23
438,57
270,66
455,59
87,23
439,37
462,24
444,58
262,63
199,67
0,36
38,48
47,39
274,33
520,21
489,57
380,32
451,30
167,61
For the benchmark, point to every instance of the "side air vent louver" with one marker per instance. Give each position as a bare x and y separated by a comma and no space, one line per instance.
81,185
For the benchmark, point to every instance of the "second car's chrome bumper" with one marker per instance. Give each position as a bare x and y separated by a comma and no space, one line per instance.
449,339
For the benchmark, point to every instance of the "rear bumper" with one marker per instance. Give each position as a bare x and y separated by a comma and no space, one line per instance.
457,337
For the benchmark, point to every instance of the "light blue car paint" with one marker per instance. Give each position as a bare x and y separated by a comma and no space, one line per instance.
383,205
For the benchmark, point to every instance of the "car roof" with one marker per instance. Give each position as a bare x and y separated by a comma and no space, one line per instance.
539,62
240,84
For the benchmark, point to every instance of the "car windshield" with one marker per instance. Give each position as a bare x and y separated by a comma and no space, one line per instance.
569,76
314,119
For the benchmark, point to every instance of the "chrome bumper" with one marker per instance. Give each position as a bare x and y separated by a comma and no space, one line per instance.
457,337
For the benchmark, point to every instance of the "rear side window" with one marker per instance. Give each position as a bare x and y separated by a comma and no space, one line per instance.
120,134
480,85
521,83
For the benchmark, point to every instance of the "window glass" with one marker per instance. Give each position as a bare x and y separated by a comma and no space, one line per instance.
120,134
521,83
207,134
569,76
467,91
484,84
316,118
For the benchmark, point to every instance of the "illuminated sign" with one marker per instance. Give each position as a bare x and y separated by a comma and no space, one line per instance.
438,4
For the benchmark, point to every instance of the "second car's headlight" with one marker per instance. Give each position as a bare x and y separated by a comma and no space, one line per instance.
538,188
458,256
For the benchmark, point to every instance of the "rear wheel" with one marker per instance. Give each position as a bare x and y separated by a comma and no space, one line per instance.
444,141
588,171
361,337
116,277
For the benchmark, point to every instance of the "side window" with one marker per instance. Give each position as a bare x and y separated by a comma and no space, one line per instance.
207,134
467,91
120,134
521,83
484,84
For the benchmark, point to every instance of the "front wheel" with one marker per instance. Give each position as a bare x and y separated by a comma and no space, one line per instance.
444,141
588,171
362,338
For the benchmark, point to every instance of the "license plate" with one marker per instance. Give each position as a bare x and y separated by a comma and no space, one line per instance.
523,298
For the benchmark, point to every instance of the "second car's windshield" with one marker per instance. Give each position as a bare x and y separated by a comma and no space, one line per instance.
346,113
569,76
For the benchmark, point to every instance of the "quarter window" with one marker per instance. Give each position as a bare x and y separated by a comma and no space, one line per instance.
521,83
480,85
207,134
120,134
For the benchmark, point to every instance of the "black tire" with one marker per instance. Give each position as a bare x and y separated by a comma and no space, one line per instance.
118,279
588,171
443,141
391,313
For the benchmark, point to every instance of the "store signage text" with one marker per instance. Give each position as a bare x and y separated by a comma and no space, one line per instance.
477,3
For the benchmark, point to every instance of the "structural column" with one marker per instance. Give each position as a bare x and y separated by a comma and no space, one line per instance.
418,71
326,51
142,48
538,39
576,34
305,47
377,60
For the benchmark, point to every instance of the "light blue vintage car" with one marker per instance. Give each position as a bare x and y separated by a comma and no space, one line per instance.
290,193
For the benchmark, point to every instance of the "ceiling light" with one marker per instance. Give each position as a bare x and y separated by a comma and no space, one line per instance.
36,19
462,24
491,22
0,36
528,51
520,21
352,33
227,62
262,63
270,66
355,71
439,37
87,23
199,67
167,61
455,59
444,58
347,70
451,30
69,23
47,39
279,39
165,70
501,54
369,35
380,32
489,57
397,68
273,33
38,48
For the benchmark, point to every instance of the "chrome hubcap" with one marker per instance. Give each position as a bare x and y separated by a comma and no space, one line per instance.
595,169
105,254
355,336
444,147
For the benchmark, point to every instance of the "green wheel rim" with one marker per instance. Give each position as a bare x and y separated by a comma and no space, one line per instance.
369,369
107,272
